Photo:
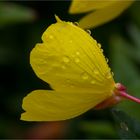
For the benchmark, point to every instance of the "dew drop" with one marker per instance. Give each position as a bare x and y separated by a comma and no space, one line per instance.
99,45
108,75
63,67
107,60
84,76
112,73
96,71
93,82
77,53
77,60
102,50
76,23
66,59
88,31
70,41
124,126
51,37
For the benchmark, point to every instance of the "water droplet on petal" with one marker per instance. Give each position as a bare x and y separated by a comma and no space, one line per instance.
66,59
107,60
70,41
77,53
109,69
93,82
84,76
76,23
88,31
96,71
102,50
77,60
124,126
112,73
63,67
108,75
51,37
99,45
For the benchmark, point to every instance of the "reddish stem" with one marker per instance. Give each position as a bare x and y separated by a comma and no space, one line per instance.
125,95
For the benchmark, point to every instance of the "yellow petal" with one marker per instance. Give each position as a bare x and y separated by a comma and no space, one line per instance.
72,62
104,15
81,6
69,59
43,105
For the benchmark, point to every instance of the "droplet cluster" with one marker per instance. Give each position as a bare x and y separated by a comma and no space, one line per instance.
76,58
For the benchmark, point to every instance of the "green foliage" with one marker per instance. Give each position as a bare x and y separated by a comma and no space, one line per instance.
96,129
123,56
134,33
11,13
128,127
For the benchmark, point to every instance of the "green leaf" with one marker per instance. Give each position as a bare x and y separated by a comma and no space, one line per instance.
134,33
126,72
122,63
134,9
12,14
98,129
127,126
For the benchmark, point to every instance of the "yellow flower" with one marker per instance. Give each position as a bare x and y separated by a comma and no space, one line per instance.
72,62
100,11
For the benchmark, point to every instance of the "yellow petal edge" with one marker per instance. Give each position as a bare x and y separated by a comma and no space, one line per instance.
104,15
82,6
100,12
72,62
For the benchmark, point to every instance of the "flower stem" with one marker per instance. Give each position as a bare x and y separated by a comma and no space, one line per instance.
132,98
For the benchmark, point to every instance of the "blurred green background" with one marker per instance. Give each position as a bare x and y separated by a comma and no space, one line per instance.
21,26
